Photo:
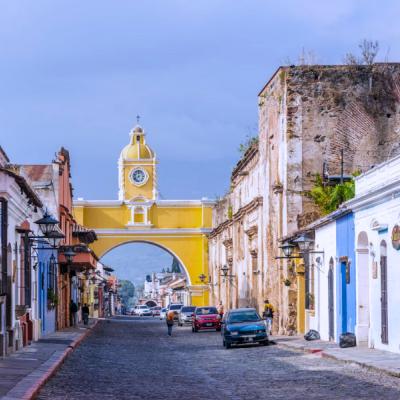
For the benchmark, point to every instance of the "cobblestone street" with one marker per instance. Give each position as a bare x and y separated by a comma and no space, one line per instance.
132,358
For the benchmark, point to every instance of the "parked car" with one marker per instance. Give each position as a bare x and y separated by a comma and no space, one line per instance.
185,315
176,308
243,325
131,311
206,318
155,311
143,310
163,313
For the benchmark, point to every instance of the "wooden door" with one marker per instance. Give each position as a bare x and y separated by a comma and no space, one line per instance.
384,301
331,309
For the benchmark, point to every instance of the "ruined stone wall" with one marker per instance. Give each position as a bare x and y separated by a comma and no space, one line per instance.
307,115
354,108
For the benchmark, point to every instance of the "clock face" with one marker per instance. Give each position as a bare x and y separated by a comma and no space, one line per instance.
138,176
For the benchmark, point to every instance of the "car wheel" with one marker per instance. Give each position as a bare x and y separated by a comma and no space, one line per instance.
218,329
179,324
196,329
228,345
265,342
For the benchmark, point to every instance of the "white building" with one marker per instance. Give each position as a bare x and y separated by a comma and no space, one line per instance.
377,232
19,207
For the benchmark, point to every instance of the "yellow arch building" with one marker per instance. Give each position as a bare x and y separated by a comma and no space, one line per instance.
178,226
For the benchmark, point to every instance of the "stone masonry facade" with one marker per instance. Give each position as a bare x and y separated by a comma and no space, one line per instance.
307,116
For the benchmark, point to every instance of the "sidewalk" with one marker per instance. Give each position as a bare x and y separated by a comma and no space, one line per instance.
24,372
372,359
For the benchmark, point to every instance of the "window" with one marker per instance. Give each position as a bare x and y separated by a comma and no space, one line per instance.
138,138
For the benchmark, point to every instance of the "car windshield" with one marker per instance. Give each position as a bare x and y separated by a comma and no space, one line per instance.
143,307
175,307
157,308
188,309
163,309
206,310
243,316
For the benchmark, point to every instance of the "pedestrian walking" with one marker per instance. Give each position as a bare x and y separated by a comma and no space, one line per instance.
85,314
170,321
268,315
73,309
220,309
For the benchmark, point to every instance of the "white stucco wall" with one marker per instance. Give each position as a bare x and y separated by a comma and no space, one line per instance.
325,240
385,213
377,210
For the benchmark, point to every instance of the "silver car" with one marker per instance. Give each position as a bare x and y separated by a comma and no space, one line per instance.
185,315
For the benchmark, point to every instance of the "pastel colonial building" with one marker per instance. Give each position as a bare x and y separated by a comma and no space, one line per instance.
353,276
376,209
19,308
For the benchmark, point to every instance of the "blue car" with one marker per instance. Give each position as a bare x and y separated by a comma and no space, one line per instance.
243,326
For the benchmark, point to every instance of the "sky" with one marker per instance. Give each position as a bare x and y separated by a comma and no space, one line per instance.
76,73
133,261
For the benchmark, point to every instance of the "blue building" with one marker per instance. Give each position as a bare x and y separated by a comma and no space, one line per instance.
345,275
47,288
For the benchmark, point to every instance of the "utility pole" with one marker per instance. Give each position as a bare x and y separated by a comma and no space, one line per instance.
341,166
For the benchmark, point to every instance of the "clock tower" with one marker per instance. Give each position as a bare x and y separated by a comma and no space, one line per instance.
137,170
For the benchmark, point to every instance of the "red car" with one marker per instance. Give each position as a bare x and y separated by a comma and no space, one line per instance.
206,318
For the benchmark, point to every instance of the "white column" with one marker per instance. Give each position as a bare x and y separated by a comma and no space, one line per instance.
132,214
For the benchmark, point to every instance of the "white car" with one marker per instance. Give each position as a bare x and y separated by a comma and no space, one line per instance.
143,310
163,313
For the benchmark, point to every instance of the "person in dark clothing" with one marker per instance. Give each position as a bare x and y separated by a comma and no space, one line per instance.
85,314
73,309
170,321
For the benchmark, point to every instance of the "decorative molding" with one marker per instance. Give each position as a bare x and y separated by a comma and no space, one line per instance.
252,232
154,231
249,207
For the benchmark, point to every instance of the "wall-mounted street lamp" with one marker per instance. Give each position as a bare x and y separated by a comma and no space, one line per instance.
225,272
304,242
69,255
287,248
202,278
47,224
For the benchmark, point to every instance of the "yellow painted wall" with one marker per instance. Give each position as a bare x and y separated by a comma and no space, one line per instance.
160,217
132,191
188,249
173,217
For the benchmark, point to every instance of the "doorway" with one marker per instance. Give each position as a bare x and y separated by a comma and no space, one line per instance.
362,269
343,274
384,295
331,308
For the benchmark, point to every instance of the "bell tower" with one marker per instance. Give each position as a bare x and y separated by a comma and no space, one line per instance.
137,170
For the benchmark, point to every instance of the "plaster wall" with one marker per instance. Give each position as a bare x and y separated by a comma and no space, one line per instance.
385,212
325,240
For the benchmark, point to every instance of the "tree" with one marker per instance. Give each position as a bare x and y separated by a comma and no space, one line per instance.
176,267
369,50
329,198
249,141
126,292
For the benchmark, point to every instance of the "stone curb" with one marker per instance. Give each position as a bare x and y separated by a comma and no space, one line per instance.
326,354
363,365
30,385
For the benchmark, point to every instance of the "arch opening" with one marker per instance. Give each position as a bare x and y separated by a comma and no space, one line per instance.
158,275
